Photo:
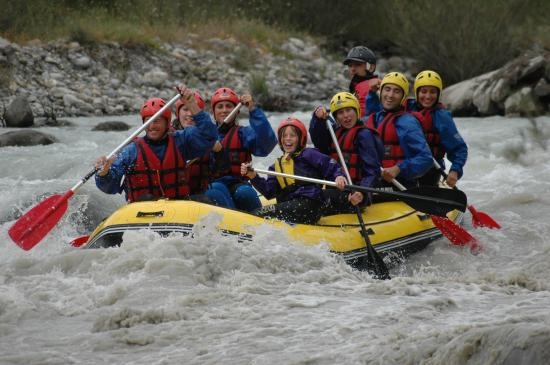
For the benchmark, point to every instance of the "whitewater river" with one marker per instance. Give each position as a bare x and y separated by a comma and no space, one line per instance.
212,300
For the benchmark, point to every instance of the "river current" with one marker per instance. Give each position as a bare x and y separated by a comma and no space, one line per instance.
213,300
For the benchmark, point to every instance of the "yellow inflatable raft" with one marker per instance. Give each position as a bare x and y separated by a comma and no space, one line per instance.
392,226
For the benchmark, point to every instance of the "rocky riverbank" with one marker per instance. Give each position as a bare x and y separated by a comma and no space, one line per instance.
519,88
63,78
70,79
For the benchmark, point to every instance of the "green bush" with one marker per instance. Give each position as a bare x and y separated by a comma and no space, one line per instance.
458,38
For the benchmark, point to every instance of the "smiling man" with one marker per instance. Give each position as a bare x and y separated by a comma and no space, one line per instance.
407,156
153,166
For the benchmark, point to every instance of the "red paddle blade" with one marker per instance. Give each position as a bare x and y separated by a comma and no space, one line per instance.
480,219
79,241
456,234
37,222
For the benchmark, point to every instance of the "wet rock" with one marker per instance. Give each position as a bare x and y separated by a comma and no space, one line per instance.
49,122
111,126
26,138
459,98
542,88
482,99
19,114
523,103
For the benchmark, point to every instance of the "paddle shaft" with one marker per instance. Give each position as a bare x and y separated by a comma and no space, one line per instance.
438,167
226,120
379,267
128,140
479,219
454,233
396,194
231,115
30,228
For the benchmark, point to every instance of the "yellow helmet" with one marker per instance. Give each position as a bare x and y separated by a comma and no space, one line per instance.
344,100
397,78
428,78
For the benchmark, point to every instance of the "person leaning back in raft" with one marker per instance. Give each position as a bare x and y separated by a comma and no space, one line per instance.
297,201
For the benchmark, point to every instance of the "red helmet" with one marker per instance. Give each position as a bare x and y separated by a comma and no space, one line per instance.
224,94
153,105
198,99
302,131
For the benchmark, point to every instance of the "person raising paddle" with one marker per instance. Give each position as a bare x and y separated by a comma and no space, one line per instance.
239,144
153,166
198,169
361,146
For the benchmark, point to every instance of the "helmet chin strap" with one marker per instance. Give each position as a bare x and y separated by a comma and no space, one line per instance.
371,67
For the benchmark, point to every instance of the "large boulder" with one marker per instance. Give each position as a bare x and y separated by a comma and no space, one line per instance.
18,113
519,88
111,126
459,97
523,103
26,138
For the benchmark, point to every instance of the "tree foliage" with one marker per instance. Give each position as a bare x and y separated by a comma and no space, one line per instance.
458,38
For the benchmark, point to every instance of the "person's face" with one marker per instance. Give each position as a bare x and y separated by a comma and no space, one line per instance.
289,139
427,96
156,129
222,110
391,96
357,68
185,117
346,117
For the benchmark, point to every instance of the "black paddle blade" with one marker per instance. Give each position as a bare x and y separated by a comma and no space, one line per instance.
441,200
376,265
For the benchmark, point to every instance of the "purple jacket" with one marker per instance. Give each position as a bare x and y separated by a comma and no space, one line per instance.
310,162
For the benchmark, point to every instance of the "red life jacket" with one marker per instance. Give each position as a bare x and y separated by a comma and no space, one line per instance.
161,179
361,92
198,174
425,117
233,153
393,153
346,140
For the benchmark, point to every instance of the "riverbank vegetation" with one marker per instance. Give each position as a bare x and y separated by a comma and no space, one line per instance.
459,38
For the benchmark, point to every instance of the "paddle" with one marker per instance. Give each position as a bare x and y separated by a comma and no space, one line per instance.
230,116
454,233
79,241
479,219
30,228
379,270
427,199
